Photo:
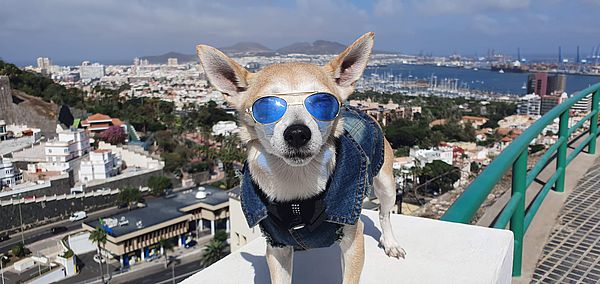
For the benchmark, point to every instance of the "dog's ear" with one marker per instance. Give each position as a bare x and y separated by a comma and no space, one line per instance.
349,65
223,73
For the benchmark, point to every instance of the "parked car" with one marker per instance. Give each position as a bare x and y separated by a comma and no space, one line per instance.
76,216
191,244
58,230
152,257
4,237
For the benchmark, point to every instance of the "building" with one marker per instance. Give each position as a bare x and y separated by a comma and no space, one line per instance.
529,105
9,175
134,235
172,61
3,132
543,85
240,233
98,122
426,156
101,164
225,128
386,112
475,121
582,106
60,152
88,71
44,63
550,101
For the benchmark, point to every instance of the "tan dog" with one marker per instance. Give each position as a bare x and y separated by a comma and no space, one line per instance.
293,157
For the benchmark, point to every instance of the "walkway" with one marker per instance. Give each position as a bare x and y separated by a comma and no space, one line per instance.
572,252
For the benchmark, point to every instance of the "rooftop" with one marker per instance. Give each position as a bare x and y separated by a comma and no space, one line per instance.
162,210
437,252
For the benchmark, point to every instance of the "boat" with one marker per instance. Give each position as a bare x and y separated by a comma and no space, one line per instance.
501,71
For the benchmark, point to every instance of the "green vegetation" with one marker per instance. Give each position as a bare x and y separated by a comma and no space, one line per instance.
216,249
166,245
438,177
129,196
41,86
98,237
159,184
68,254
20,250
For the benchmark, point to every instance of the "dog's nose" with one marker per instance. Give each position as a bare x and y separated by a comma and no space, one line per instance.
297,135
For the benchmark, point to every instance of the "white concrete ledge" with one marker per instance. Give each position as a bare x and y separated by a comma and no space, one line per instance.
437,252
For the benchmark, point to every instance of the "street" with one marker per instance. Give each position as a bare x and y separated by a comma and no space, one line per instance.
159,274
43,232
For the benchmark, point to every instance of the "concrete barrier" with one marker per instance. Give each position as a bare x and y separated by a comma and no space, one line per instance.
437,252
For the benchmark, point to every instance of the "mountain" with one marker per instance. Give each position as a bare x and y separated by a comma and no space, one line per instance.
162,59
317,47
246,48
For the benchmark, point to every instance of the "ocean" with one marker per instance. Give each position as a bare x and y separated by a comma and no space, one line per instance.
482,79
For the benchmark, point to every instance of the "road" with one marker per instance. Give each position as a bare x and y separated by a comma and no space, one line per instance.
43,232
158,274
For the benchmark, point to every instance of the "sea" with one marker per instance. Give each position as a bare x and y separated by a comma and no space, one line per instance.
482,79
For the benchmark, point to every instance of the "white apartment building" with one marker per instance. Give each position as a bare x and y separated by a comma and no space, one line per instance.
102,164
9,176
225,128
529,105
88,71
584,105
70,144
3,133
425,156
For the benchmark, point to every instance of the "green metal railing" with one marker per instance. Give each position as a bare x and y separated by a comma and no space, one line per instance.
464,208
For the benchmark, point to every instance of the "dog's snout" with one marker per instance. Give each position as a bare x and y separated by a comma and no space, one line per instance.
297,135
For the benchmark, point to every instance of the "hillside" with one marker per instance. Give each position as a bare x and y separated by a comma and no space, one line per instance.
246,48
317,47
162,59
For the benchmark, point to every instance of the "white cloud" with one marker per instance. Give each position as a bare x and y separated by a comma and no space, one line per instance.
469,6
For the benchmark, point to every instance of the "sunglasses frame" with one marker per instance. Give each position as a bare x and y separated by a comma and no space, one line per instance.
278,95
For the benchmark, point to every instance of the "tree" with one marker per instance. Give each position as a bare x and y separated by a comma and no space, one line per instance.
158,185
20,250
129,196
166,246
439,177
213,252
98,237
114,135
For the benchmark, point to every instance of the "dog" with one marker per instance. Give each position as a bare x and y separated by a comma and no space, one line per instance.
311,159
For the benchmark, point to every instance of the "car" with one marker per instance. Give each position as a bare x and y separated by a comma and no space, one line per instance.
76,216
98,258
152,257
4,237
58,230
191,244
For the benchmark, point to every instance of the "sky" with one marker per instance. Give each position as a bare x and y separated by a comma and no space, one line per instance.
69,31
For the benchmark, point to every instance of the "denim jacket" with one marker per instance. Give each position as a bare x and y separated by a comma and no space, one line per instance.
359,157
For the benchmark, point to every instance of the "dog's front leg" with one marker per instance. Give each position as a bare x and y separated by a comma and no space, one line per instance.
353,252
280,262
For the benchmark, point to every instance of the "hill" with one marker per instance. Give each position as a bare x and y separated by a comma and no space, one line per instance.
246,48
317,47
162,59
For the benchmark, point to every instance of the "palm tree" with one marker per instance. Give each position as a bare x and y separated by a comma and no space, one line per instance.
213,252
166,245
98,236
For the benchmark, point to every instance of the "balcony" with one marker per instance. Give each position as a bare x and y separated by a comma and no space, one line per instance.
437,252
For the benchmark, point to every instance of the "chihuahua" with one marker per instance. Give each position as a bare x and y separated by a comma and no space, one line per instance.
312,159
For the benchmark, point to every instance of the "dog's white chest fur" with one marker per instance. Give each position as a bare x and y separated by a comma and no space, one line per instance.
282,182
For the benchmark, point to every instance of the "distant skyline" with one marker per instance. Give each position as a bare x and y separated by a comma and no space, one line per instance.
69,31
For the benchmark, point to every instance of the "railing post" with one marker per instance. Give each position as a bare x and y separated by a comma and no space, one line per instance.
519,182
594,122
561,155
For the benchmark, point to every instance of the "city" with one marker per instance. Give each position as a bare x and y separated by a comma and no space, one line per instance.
130,171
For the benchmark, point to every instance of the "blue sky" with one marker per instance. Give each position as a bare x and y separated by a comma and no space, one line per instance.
73,30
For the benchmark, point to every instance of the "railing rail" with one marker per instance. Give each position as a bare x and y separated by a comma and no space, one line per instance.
515,155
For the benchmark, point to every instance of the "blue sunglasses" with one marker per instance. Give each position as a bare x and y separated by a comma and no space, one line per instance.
322,106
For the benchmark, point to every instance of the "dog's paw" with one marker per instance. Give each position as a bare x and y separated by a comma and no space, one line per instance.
392,248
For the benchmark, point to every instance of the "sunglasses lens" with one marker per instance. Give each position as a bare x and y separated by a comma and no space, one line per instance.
268,109
322,106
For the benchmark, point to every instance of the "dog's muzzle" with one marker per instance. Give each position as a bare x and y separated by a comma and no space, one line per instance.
297,135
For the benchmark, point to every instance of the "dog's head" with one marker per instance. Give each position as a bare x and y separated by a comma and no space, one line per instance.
297,135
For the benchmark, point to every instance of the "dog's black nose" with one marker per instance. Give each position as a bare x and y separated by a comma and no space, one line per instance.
297,135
